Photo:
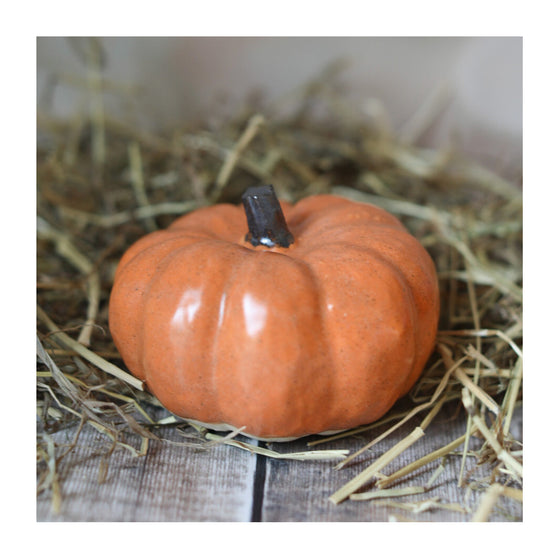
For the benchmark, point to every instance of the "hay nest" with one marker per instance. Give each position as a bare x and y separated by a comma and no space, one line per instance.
103,184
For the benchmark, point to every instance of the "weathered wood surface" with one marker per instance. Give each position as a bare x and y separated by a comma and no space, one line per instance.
175,483
170,483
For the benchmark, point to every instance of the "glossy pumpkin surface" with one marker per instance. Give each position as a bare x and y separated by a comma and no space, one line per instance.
323,335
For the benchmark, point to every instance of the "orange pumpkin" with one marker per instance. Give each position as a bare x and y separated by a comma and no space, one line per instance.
317,320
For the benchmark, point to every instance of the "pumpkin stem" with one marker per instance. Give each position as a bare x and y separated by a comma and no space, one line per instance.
266,221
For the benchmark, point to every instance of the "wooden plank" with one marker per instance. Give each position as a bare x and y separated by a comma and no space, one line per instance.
300,491
228,484
170,483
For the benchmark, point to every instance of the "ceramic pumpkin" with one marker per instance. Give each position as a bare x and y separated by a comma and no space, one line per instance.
317,320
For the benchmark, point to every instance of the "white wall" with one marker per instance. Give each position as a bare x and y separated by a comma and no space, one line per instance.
182,77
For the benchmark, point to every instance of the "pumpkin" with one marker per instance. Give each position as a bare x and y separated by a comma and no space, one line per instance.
315,321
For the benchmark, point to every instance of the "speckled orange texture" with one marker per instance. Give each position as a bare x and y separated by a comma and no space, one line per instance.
325,335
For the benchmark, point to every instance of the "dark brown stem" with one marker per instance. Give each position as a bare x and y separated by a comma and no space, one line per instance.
267,225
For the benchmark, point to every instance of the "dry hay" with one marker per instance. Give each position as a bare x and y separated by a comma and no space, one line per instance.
103,184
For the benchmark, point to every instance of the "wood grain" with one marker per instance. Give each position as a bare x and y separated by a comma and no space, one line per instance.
173,483
300,491
170,483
